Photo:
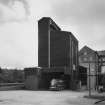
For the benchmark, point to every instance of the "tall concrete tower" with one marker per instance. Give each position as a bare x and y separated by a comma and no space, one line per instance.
45,26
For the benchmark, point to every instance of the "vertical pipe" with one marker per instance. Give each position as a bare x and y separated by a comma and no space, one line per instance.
77,71
70,62
49,44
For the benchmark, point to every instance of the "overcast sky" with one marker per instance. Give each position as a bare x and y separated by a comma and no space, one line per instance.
19,30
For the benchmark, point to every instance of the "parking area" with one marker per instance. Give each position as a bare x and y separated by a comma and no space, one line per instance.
24,97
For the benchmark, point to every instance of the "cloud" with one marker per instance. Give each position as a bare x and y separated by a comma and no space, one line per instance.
18,45
80,11
13,10
19,38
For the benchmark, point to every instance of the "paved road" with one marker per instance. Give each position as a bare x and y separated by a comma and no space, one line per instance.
21,97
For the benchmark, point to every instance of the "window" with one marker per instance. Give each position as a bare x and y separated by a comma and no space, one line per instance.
80,59
85,53
103,59
74,67
90,58
85,59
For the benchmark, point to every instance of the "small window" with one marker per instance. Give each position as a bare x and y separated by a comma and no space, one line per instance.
85,59
90,58
103,59
74,67
79,59
85,53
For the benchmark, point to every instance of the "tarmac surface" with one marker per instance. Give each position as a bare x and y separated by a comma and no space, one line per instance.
26,97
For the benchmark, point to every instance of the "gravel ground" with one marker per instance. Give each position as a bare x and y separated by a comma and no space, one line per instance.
24,97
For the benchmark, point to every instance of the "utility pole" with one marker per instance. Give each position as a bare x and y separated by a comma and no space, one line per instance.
89,81
96,68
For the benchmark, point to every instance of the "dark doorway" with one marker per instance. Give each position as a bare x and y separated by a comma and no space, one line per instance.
46,78
83,75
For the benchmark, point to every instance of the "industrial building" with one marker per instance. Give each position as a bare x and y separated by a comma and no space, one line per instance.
57,55
88,58
94,61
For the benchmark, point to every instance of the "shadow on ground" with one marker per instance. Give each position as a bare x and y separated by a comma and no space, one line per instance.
95,97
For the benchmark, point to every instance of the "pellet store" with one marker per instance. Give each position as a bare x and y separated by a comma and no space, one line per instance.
40,78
